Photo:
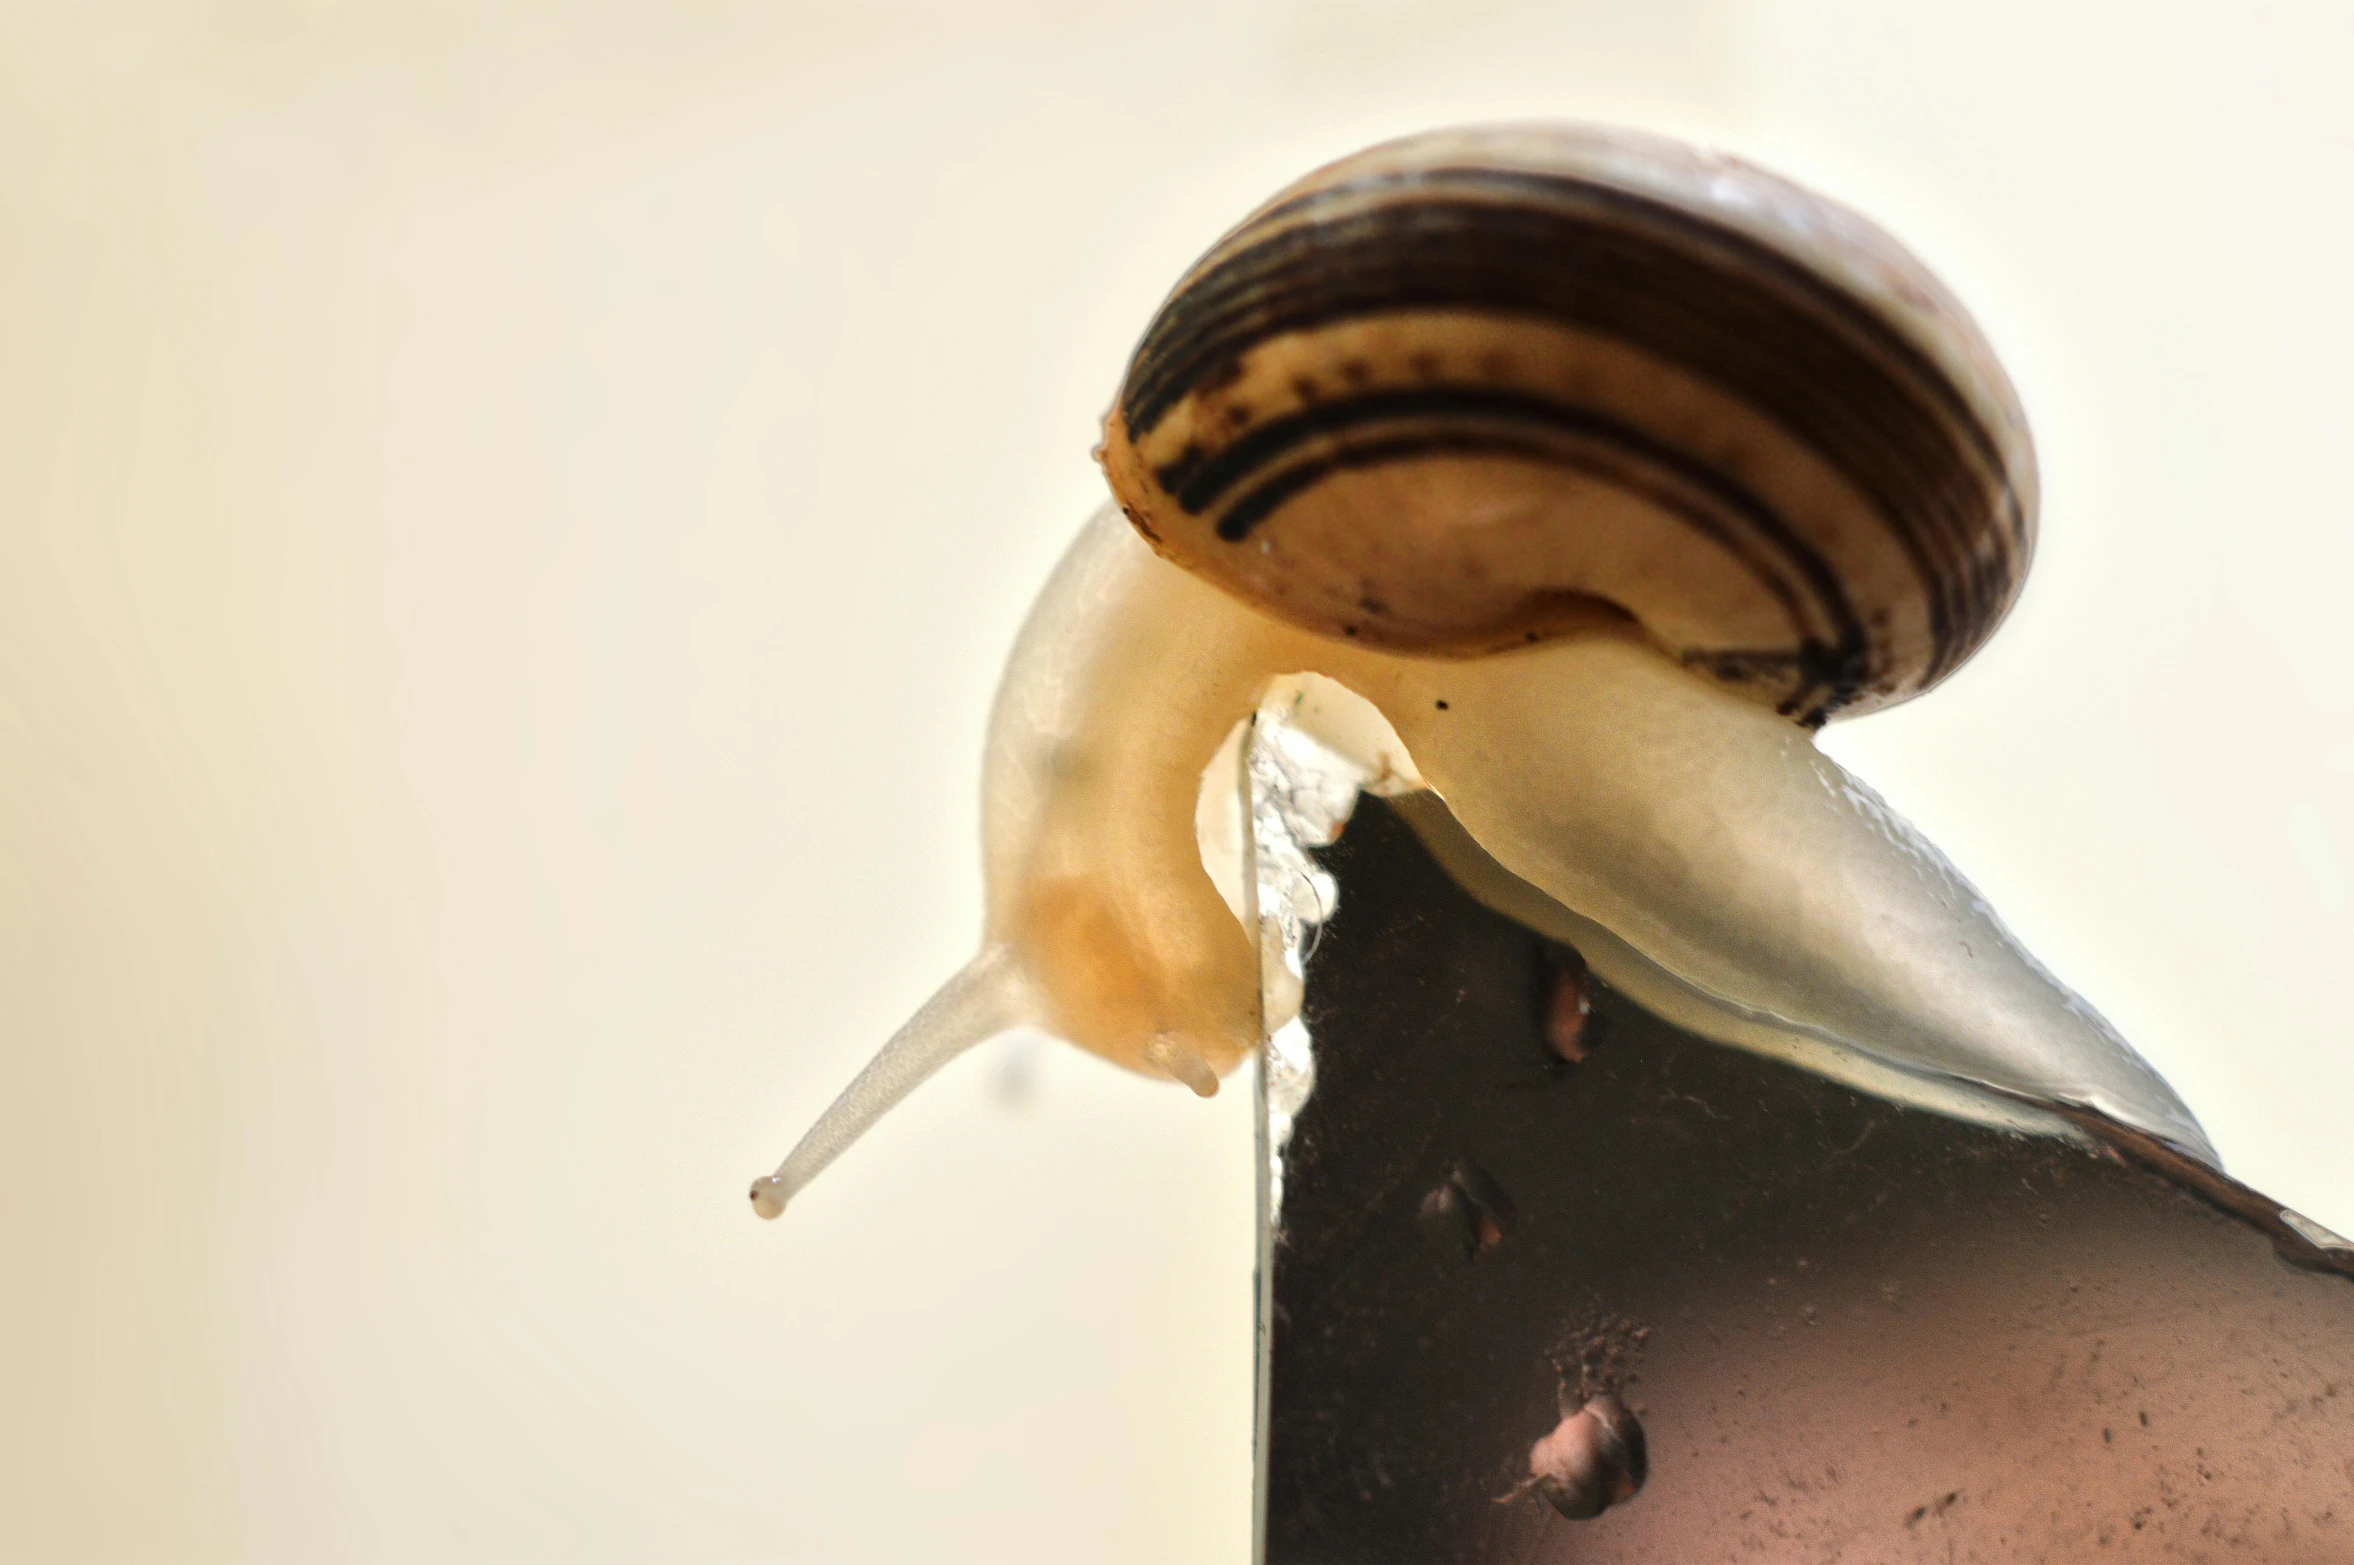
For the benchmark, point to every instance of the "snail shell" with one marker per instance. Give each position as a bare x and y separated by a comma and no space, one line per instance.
1457,392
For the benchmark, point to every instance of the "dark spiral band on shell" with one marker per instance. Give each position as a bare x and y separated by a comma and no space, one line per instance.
1840,372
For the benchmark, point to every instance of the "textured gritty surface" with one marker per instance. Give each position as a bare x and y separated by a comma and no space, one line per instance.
1852,1332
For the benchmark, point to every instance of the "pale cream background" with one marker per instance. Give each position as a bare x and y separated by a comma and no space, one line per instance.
508,519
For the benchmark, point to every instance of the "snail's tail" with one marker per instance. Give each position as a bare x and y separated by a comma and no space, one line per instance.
988,995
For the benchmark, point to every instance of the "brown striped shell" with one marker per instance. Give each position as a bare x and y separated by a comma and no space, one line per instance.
1473,389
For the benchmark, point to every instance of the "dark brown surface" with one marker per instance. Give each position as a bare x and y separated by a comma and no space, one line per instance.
1852,1332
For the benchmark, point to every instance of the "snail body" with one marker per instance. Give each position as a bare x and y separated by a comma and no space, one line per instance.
1605,471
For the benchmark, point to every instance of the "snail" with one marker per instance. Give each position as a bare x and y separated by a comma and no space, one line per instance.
1606,470
1595,1458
